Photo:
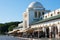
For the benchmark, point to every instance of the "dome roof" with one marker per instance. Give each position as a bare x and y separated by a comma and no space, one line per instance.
35,5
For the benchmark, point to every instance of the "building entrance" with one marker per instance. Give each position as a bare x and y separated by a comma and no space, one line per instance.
54,31
47,32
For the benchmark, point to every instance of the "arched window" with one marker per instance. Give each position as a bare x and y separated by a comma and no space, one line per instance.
35,14
42,13
51,14
45,16
58,12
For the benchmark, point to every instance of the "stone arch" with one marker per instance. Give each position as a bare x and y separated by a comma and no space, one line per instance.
47,31
58,26
54,30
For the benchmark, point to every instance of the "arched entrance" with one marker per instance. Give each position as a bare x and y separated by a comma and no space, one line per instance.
47,32
54,31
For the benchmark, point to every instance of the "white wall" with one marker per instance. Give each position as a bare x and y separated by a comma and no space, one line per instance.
54,13
46,23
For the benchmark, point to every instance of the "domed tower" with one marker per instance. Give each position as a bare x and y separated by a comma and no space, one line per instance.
34,13
35,5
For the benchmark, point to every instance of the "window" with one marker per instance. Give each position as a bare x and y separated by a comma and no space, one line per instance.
58,12
42,13
35,14
51,15
45,16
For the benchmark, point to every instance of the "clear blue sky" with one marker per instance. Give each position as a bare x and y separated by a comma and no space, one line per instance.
12,10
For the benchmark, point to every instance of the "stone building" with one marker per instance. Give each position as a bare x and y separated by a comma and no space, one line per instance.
39,22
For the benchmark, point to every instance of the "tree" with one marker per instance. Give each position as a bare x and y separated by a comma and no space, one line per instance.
11,27
8,26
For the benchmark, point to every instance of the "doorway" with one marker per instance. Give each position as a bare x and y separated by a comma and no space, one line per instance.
47,32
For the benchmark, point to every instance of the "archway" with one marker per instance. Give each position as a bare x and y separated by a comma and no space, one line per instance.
54,31
47,32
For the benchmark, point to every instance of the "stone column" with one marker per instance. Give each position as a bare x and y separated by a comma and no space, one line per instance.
58,30
50,32
44,30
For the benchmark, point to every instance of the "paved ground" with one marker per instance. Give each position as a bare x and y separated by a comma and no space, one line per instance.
10,38
18,38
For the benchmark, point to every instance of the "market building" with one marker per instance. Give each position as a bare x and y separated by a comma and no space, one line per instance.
39,22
